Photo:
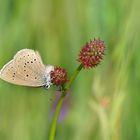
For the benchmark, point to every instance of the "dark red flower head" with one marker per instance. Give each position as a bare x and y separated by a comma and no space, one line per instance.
92,53
59,76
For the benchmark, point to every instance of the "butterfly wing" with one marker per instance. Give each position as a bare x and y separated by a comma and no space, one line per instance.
26,69
9,74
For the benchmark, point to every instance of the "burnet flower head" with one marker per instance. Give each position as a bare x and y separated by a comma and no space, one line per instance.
59,76
92,53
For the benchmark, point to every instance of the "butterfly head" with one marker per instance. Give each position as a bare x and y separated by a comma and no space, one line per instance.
48,79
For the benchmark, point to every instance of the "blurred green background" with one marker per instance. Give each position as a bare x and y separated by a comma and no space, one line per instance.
105,101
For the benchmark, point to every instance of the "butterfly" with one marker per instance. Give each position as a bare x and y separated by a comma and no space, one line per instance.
27,69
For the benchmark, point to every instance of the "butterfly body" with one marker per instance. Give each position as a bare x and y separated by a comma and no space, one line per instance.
27,69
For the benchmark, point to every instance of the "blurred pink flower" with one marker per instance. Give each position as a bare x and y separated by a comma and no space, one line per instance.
65,107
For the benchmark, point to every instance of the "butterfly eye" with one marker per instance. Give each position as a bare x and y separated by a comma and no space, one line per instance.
46,86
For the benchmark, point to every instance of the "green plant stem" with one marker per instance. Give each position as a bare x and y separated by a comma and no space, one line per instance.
56,115
73,77
60,102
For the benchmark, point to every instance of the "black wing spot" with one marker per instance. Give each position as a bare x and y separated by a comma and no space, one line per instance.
28,62
31,61
27,75
34,59
24,70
